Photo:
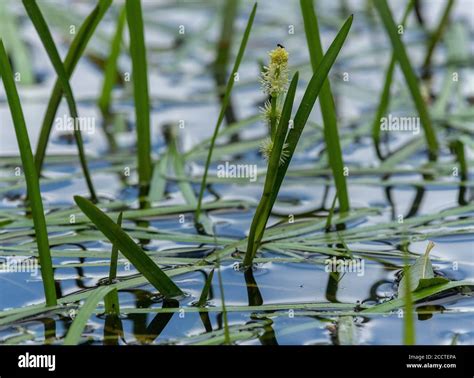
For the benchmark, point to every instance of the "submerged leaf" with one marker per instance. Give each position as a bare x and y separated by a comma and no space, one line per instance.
346,331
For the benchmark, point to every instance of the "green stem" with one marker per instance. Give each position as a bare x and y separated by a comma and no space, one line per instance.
265,205
273,116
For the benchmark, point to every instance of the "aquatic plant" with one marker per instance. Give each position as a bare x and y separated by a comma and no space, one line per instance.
275,84
286,135
159,240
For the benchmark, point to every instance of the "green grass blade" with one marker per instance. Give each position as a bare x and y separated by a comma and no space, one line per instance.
411,79
416,296
129,248
140,91
111,300
223,47
9,30
408,323
227,340
74,333
110,74
223,51
31,177
158,180
331,214
205,290
45,35
205,224
114,256
458,147
225,102
328,108
436,36
76,49
385,96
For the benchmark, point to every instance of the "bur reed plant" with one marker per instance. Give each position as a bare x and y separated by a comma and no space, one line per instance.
31,177
285,134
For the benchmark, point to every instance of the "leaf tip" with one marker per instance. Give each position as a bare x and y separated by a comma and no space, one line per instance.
429,247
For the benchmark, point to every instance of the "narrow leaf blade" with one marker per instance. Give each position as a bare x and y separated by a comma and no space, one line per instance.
129,248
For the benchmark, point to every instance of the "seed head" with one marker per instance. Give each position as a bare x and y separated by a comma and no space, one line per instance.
275,75
266,149
266,111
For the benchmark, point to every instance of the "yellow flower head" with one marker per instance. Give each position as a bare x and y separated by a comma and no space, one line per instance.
275,75
278,56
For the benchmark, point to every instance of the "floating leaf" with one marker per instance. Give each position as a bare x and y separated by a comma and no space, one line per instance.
421,274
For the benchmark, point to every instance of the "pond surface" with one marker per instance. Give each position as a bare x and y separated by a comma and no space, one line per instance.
289,297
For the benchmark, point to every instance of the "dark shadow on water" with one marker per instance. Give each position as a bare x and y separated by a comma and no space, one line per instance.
255,299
